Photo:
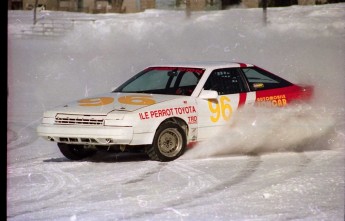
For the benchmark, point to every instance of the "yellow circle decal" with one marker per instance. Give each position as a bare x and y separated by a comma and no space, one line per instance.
98,101
137,100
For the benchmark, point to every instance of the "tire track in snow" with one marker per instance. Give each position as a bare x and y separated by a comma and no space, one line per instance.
45,188
199,191
19,136
146,174
199,186
196,179
302,162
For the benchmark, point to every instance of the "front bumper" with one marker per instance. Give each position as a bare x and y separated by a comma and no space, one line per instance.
95,135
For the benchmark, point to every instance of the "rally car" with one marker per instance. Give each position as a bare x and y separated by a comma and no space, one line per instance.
164,109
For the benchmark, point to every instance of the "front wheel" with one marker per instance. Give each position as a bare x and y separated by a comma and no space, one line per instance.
75,152
169,142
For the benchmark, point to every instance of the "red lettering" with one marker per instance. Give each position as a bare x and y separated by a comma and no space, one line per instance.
152,113
196,70
144,115
192,120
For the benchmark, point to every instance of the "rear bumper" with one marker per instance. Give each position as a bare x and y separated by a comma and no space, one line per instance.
97,135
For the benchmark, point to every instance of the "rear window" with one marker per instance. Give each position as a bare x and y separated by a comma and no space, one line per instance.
259,79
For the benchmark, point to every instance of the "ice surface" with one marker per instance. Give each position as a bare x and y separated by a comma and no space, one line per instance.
282,165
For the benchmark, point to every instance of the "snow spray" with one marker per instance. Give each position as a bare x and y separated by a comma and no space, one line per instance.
257,130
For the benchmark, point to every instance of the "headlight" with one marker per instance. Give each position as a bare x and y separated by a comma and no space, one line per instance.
111,122
119,120
115,116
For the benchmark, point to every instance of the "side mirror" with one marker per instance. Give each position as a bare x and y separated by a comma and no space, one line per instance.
208,94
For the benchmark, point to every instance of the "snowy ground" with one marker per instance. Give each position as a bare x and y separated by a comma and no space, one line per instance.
289,165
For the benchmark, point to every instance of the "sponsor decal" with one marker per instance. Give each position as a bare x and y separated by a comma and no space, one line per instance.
272,101
192,120
167,112
258,85
196,70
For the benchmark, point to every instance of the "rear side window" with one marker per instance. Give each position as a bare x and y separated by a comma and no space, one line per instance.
259,79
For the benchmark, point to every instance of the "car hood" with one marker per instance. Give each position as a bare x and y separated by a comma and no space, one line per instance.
106,103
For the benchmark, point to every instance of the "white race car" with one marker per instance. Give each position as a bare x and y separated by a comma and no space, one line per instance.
165,108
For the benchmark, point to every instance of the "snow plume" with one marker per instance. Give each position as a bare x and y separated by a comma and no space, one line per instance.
257,130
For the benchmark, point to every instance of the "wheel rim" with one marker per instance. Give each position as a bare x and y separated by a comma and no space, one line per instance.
170,142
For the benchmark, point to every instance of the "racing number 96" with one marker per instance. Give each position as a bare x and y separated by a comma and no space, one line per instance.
137,100
220,109
97,101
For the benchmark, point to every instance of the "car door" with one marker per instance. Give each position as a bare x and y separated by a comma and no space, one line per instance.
215,113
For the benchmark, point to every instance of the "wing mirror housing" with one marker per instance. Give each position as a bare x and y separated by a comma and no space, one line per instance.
208,94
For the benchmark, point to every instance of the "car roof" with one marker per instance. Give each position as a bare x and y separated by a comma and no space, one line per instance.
204,64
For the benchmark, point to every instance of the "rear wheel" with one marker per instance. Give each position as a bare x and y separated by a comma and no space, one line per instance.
169,142
75,152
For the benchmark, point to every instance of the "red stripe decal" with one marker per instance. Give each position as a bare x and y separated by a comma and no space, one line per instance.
242,101
242,65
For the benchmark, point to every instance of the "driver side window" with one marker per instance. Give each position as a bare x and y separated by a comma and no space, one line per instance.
225,81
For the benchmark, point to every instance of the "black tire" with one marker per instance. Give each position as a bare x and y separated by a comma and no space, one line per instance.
169,142
75,152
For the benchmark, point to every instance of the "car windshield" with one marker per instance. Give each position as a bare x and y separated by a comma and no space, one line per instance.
163,80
